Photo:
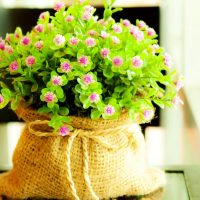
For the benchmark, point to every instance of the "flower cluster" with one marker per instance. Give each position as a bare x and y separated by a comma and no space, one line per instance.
76,64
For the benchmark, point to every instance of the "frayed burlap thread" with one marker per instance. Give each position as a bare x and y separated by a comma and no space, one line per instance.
100,160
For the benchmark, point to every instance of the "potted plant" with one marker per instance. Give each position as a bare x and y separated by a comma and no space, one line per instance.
82,84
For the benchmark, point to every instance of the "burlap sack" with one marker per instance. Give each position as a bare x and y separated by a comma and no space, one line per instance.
100,160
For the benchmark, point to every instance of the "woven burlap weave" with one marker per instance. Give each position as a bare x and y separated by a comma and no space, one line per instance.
100,160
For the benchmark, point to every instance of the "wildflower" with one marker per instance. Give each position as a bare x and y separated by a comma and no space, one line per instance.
148,114
137,62
90,42
89,8
69,18
177,100
8,49
94,98
141,24
154,48
104,35
1,99
109,110
7,37
56,80
13,66
86,16
58,6
115,40
49,97
2,44
16,35
87,79
92,33
134,30
151,32
105,52
64,130
139,36
117,61
179,85
30,61
59,40
74,41
66,67
25,41
117,28
43,15
39,45
83,61
39,28
126,23
167,60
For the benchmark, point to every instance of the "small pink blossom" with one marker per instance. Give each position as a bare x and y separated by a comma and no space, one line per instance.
58,6
109,110
94,98
2,44
56,80
83,61
89,8
92,33
39,28
126,23
13,66
179,84
7,37
102,22
115,40
50,26
16,35
87,79
141,24
151,32
81,1
167,60
117,61
1,99
137,62
134,30
74,41
49,97
139,36
148,114
69,18
25,41
117,28
90,42
64,130
177,100
8,49
86,16
43,15
66,67
105,52
39,45
59,40
104,35
30,61
154,48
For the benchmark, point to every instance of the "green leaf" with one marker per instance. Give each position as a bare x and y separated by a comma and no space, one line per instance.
15,102
159,103
34,87
63,111
44,109
95,114
59,92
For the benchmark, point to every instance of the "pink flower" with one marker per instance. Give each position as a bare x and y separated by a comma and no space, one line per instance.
89,8
109,110
117,28
148,114
25,41
74,41
66,67
115,40
177,100
154,48
43,15
167,60
139,36
1,99
64,130
83,61
87,79
39,28
179,85
137,62
81,1
151,32
58,6
7,37
94,98
2,44
141,24
92,33
13,66
86,16
8,49
69,18
117,61
90,42
30,61
134,30
50,26
105,52
39,45
104,35
49,97
59,40
56,80
126,23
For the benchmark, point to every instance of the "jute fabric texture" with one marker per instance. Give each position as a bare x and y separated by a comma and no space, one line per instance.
100,160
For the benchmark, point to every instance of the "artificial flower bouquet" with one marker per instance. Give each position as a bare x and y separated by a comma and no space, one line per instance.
83,84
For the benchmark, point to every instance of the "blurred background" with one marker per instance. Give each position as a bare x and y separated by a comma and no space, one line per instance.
173,138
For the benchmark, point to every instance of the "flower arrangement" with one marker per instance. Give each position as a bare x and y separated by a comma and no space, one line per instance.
76,64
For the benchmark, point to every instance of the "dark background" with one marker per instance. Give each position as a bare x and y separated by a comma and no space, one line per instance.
26,19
